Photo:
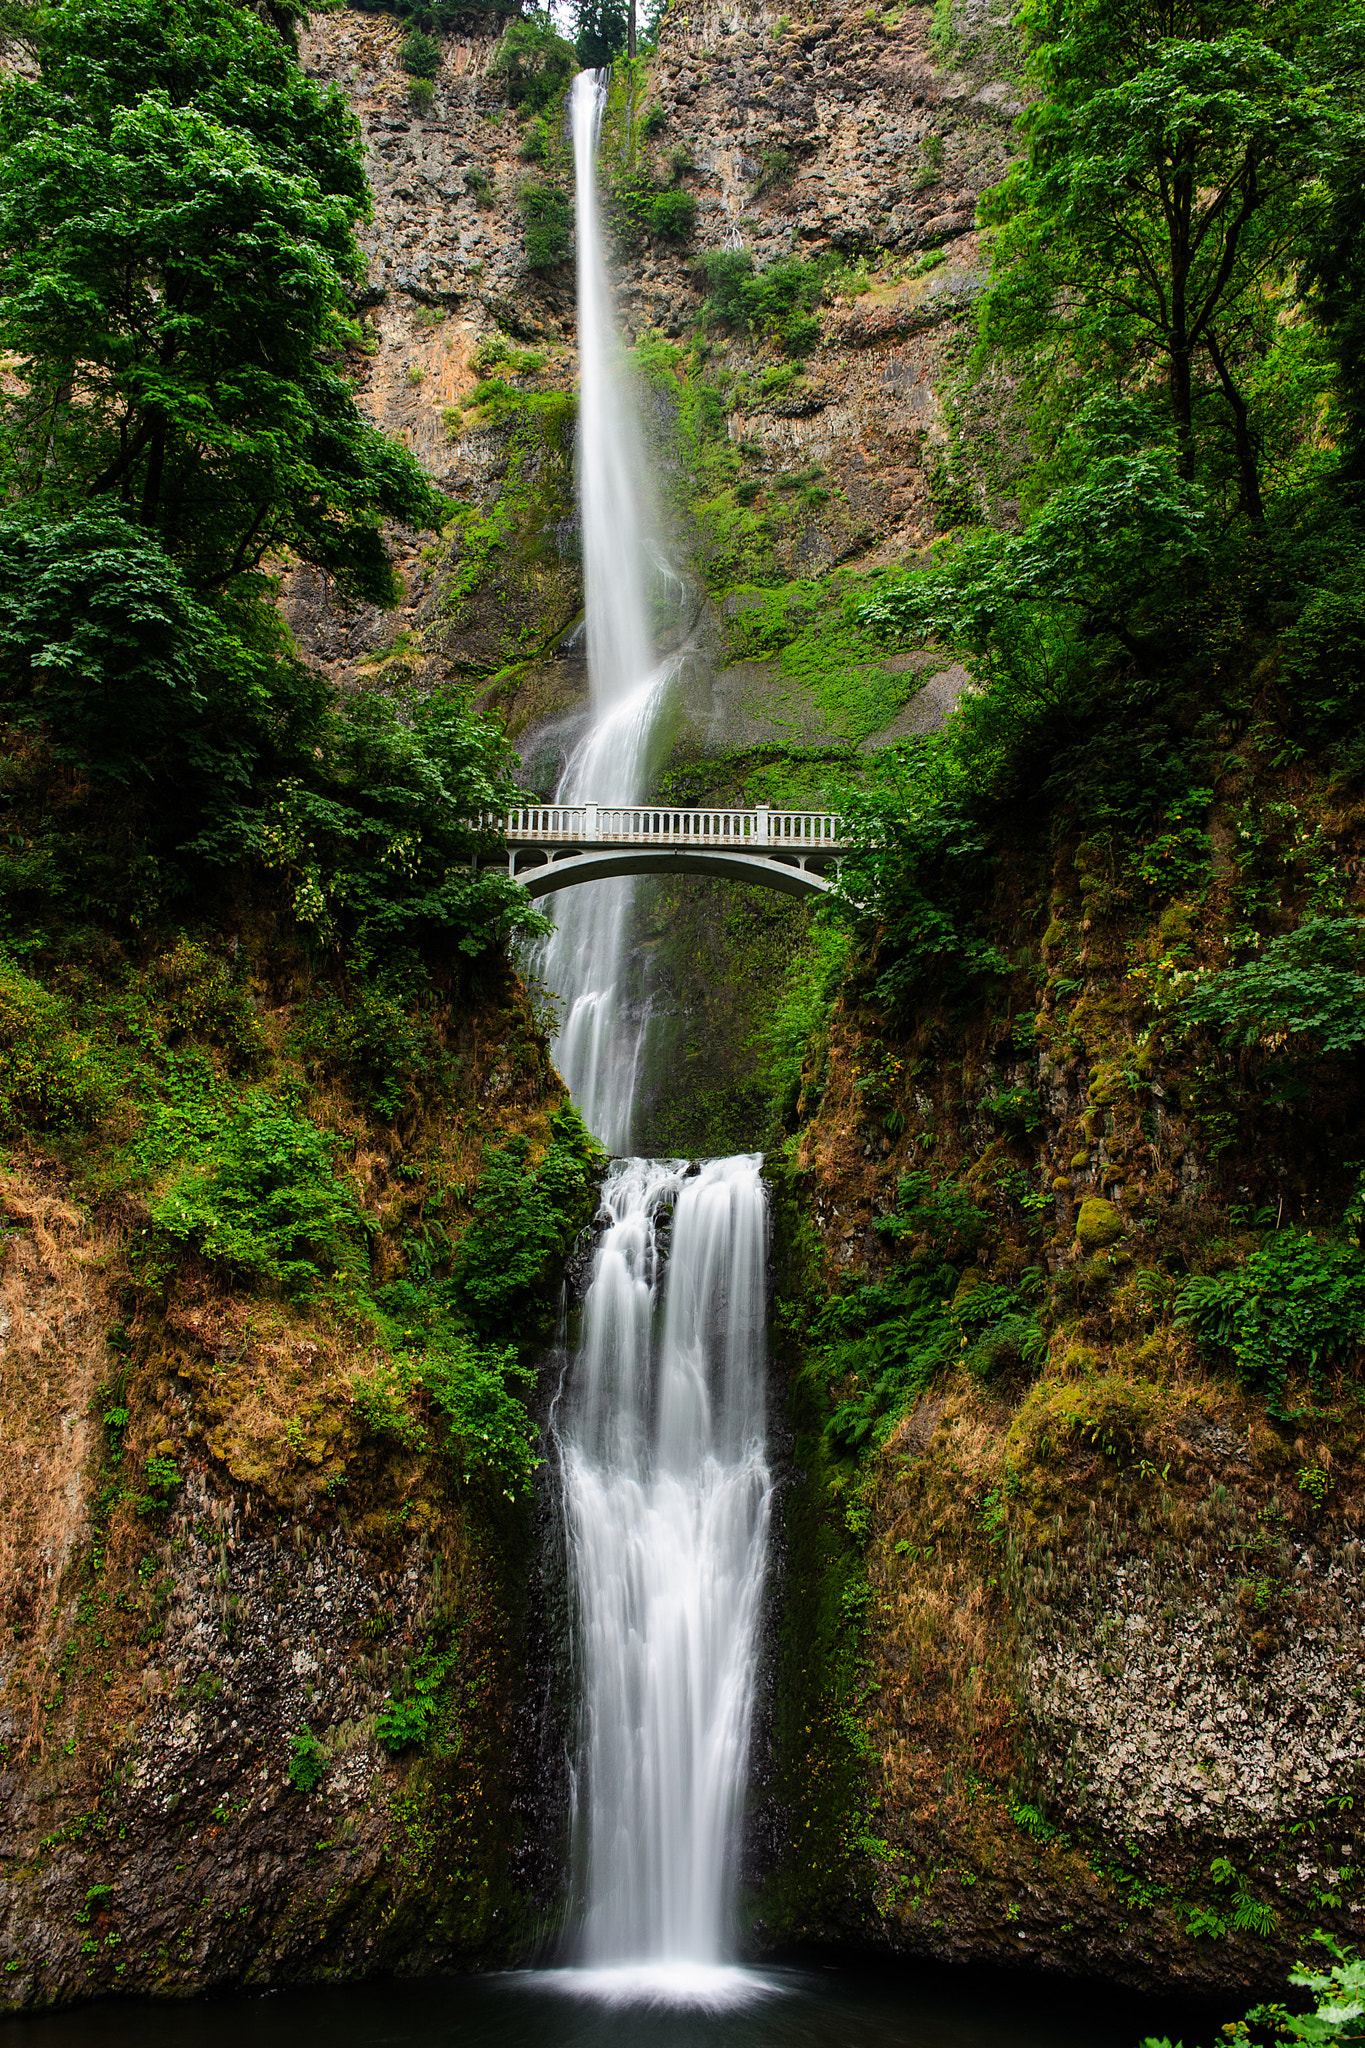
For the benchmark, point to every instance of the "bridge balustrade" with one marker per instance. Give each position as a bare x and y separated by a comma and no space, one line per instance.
653,824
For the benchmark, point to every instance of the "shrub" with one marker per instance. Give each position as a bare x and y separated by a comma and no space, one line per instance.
163,1477
480,187
775,168
381,856
1338,1998
547,221
799,335
421,93
420,56
1324,661
941,1216
49,1078
1307,985
653,121
1298,1304
406,1722
727,272
378,1037
535,143
535,62
879,1346
265,1202
523,1224
307,1761
481,1392
673,215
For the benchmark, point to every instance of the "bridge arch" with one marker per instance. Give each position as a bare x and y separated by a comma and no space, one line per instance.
559,845
564,870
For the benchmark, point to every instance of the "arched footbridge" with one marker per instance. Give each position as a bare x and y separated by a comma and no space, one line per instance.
555,846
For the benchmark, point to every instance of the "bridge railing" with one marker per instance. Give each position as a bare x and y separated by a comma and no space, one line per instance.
660,824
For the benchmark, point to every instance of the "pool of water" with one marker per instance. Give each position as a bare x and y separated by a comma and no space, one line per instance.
766,2008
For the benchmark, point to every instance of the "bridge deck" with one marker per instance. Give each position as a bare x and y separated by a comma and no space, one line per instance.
555,846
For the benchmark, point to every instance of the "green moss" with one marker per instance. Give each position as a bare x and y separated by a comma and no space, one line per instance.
822,1759
1098,1224
812,628
509,573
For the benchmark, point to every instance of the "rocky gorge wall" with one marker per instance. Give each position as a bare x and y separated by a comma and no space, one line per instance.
1066,1666
263,1662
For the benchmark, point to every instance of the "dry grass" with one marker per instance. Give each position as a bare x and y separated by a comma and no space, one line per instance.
55,1314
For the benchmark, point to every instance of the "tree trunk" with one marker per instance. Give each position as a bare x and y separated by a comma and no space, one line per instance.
1244,441
156,465
630,32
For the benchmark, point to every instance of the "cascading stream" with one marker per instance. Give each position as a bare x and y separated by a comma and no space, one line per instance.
598,1045
667,1498
660,1428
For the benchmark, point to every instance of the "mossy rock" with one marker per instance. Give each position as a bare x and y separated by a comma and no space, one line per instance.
1098,1224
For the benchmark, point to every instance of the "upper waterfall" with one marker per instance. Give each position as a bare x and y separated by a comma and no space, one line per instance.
610,464
601,1033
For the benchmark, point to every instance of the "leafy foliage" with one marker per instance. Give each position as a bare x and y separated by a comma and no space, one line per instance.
481,1392
776,303
916,864
420,55
547,221
307,1761
1308,985
673,215
535,61
1338,2007
603,31
49,1078
131,678
263,1201
1174,153
177,213
1297,1306
890,1341
523,1225
408,1720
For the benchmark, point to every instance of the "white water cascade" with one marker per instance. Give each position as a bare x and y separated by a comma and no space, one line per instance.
667,1498
598,1046
660,1426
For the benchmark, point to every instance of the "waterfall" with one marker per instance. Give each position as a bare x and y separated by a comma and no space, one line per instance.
660,1424
599,1041
667,1498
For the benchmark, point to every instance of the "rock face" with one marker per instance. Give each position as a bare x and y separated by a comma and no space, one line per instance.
805,139
262,1656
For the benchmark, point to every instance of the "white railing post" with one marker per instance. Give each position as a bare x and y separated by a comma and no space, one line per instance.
698,825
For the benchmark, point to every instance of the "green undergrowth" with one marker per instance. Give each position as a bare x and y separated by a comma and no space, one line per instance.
739,520
820,1787
508,575
813,631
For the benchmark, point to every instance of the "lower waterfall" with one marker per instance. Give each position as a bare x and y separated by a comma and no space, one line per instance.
667,1495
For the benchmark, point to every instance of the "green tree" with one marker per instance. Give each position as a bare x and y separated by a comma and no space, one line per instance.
1333,279
177,247
1175,163
605,28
